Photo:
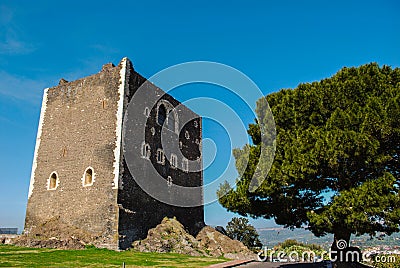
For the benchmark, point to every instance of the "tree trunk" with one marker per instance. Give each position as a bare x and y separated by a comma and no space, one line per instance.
341,240
340,243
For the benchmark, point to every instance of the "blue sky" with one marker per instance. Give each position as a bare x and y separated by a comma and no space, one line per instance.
277,44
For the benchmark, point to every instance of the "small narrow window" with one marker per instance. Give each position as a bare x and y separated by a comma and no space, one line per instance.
104,104
88,177
146,111
146,151
169,181
185,165
160,156
53,181
64,151
174,160
187,136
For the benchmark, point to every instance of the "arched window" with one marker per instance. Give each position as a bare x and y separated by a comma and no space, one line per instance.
160,156
185,165
53,181
88,177
146,111
167,116
169,181
146,150
174,161
162,114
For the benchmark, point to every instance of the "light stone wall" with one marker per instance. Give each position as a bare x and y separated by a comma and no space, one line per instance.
78,130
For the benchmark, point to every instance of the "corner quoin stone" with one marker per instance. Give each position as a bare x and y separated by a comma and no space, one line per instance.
80,128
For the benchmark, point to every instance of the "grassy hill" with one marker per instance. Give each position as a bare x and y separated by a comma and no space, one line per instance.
12,256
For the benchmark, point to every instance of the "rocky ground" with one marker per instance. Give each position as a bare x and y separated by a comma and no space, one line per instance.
7,239
69,238
170,236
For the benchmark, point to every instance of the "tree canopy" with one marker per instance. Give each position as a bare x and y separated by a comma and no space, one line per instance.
336,167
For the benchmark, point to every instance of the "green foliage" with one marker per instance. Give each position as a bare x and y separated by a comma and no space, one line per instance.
12,256
290,243
336,167
240,229
308,252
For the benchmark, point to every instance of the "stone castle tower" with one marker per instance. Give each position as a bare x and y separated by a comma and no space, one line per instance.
98,144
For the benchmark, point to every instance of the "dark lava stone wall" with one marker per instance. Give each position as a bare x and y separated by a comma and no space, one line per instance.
138,210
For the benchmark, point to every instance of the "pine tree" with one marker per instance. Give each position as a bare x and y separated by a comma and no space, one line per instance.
336,167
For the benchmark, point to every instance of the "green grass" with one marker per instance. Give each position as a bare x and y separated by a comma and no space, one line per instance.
12,256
